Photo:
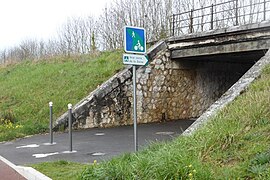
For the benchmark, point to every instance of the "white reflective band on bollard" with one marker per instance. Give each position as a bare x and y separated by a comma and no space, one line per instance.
50,104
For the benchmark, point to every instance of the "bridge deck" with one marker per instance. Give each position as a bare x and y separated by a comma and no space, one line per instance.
247,38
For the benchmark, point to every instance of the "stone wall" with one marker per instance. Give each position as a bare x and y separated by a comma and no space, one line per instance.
173,90
166,90
110,104
213,80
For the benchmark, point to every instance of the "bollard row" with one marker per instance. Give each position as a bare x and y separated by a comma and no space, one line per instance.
69,125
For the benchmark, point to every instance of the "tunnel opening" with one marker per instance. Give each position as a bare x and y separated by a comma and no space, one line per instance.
213,75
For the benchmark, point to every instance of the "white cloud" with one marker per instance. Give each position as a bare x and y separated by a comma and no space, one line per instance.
21,19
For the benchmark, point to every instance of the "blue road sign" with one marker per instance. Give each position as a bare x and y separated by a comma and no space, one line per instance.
134,40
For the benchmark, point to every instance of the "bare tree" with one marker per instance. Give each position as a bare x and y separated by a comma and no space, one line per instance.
82,35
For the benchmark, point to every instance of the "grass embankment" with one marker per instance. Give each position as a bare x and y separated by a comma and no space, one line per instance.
234,145
27,87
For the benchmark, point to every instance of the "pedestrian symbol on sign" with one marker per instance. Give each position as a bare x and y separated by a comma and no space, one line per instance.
135,41
126,59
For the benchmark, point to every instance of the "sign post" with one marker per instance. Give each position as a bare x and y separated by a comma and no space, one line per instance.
135,109
135,43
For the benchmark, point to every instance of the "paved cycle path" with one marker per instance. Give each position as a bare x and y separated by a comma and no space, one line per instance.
8,173
89,145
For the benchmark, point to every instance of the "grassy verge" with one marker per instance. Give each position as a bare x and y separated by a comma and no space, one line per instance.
27,87
235,145
61,170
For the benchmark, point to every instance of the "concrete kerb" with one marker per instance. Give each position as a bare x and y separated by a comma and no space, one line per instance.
240,86
27,172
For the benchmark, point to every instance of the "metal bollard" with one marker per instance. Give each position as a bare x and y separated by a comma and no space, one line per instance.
70,126
51,122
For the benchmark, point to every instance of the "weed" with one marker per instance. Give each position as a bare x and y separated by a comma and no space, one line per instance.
260,165
8,115
261,158
258,170
7,124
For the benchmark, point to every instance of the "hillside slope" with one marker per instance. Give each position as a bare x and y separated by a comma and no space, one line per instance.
234,145
27,87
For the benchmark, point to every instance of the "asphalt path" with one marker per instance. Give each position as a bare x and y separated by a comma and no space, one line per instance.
89,145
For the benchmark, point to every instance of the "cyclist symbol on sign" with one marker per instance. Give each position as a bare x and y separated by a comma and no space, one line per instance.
138,46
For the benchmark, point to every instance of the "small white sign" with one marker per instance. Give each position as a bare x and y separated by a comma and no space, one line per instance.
134,59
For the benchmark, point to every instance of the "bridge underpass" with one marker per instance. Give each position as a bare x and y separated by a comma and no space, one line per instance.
219,58
185,76
213,75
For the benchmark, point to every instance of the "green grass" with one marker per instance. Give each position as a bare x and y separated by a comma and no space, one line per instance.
26,89
65,170
235,145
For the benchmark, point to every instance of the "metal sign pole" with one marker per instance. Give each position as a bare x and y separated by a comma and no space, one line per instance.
135,109
51,122
134,43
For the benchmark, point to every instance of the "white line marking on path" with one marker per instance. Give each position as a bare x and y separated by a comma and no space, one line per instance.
49,144
98,154
28,146
165,133
44,155
100,134
69,152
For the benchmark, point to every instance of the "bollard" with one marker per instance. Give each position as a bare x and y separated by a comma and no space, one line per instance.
70,126
51,122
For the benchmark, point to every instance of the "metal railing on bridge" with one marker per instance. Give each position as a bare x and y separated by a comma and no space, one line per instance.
220,15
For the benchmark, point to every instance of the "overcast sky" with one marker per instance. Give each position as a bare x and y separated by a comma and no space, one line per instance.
23,19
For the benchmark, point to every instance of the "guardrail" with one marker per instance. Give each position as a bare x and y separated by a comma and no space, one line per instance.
220,15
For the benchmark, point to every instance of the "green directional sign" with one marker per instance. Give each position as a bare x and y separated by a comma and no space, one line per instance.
134,40
135,59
